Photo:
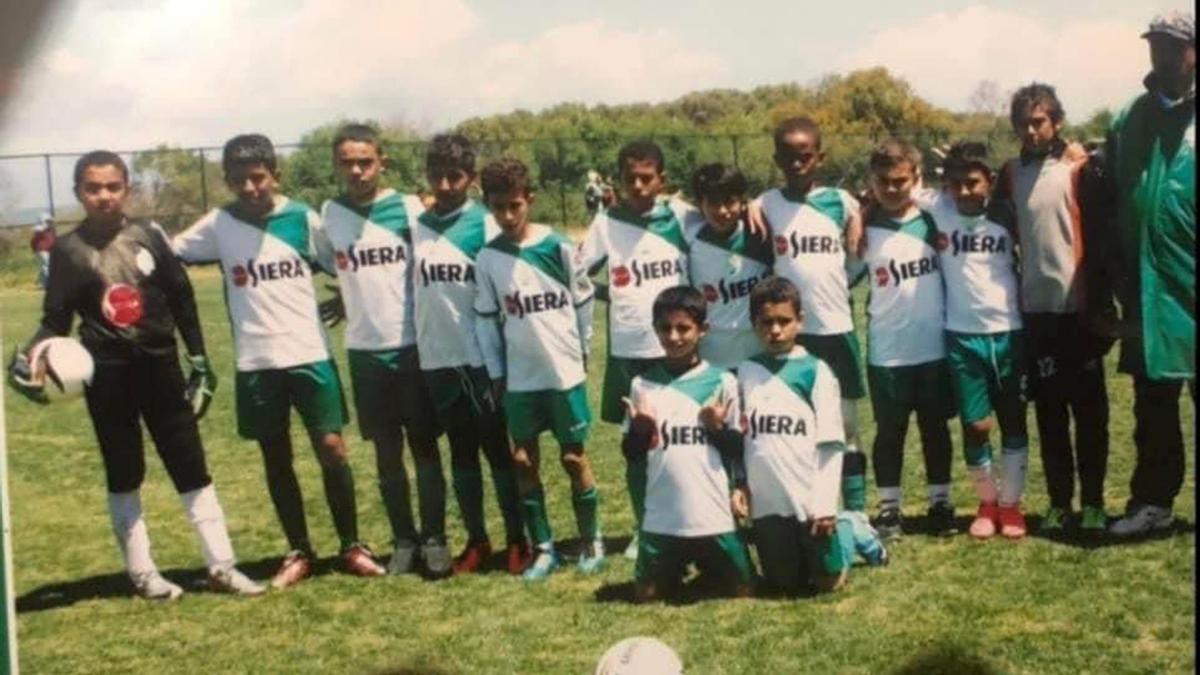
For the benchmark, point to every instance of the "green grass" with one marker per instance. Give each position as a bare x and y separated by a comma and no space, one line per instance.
1036,606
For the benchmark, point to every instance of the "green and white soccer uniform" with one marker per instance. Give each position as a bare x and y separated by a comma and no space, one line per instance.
793,435
905,306
444,248
808,236
370,249
725,269
687,486
268,282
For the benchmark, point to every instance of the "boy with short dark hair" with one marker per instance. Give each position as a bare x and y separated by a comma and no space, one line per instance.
446,240
532,280
683,416
906,351
265,246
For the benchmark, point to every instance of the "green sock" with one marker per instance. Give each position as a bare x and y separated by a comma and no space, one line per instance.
339,494
393,488
431,500
468,489
534,505
854,481
635,482
586,517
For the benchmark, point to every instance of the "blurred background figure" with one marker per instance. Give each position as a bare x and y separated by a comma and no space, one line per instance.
41,241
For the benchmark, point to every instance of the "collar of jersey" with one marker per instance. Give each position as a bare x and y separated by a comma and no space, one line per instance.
783,192
537,234
660,375
443,222
281,206
364,210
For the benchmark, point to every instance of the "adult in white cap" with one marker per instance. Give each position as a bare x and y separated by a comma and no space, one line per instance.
1151,147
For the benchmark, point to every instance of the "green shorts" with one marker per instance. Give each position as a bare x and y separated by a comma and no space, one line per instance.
662,559
460,392
791,557
265,397
618,376
389,391
899,391
988,371
565,413
840,352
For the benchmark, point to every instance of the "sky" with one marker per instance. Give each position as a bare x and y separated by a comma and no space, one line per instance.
130,74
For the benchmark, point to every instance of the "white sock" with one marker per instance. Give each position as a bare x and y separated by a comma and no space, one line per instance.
125,513
850,423
204,512
939,494
1012,480
890,497
985,485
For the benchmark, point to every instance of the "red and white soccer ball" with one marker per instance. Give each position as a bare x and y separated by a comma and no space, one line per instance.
62,366
640,656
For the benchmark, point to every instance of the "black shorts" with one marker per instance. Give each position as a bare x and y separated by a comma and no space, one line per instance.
390,391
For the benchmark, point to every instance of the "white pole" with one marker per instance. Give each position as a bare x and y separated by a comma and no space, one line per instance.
8,651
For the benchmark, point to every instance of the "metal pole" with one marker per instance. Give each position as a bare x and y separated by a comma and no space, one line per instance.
562,181
203,184
49,184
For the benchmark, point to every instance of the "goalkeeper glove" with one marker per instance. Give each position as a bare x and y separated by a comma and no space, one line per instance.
20,377
202,382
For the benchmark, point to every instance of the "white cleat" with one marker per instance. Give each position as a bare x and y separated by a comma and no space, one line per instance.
232,581
153,586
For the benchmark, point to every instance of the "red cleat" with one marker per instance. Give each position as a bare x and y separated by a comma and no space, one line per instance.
1011,521
518,557
296,567
984,525
472,559
359,561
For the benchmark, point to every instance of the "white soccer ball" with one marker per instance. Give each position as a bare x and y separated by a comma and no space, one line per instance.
62,366
640,656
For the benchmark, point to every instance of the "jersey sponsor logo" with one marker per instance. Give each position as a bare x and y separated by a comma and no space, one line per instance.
518,305
727,292
122,305
774,425
354,257
638,272
796,245
446,273
895,273
971,243
670,435
253,274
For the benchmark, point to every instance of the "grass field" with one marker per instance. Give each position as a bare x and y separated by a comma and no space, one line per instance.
952,606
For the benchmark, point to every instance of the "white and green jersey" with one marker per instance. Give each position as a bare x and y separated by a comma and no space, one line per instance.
792,418
543,290
905,305
269,291
979,269
444,250
809,240
645,253
687,487
371,249
725,269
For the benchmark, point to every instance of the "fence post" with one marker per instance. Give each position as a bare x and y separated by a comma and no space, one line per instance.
562,180
203,184
736,160
49,184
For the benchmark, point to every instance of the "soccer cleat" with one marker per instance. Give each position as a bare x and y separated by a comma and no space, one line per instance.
517,557
546,562
231,580
940,518
403,557
437,558
984,525
1055,520
1011,521
359,561
864,539
1094,520
591,560
632,549
472,559
887,523
296,567
154,586
1142,519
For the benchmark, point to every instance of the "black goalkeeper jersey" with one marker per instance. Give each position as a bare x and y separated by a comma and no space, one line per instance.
128,289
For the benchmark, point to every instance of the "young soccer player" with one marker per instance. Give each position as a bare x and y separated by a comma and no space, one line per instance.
725,262
983,335
794,448
683,416
266,248
131,294
906,350
816,232
366,232
642,242
532,279
446,241
1065,355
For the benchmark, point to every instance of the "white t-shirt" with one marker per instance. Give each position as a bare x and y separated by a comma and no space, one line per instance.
792,411
544,292
372,254
687,487
725,269
809,251
906,307
268,282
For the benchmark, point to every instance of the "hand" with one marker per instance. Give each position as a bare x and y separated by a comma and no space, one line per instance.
712,416
1075,153
202,382
739,502
823,527
756,220
643,427
333,310
21,378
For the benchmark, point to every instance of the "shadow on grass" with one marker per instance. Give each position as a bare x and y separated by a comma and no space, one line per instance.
412,669
943,659
1073,536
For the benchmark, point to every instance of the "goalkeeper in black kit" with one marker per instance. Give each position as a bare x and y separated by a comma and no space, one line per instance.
131,294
